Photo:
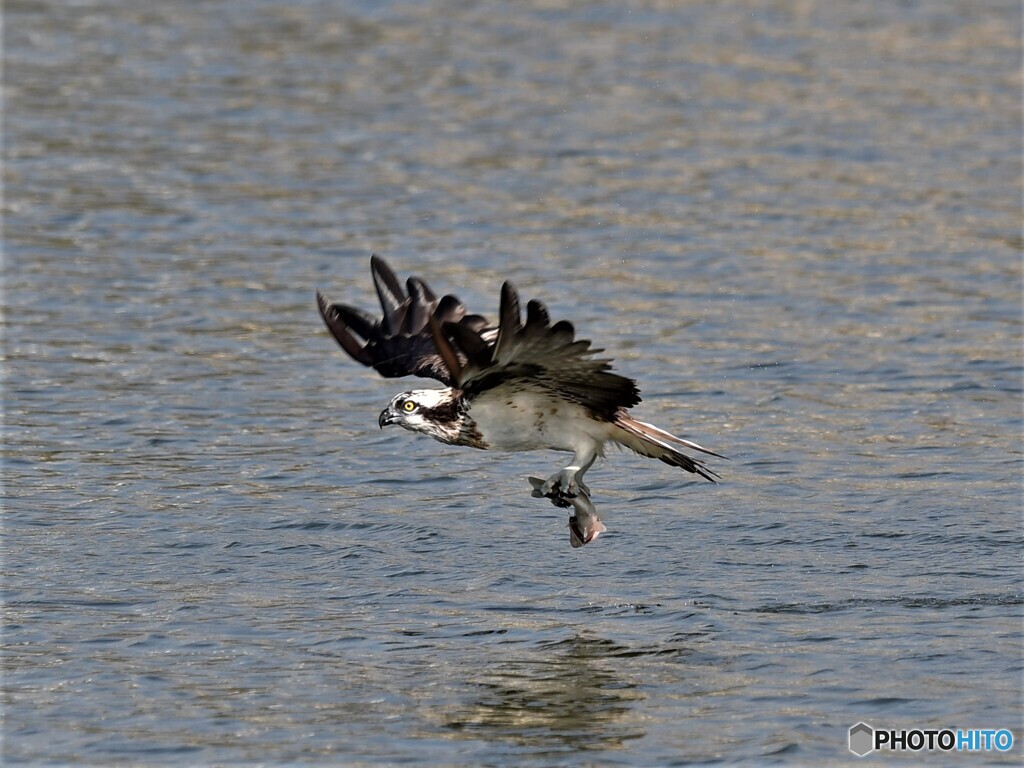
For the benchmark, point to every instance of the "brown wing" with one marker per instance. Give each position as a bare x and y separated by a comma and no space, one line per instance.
539,355
401,343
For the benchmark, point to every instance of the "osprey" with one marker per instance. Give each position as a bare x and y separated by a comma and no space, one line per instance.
515,387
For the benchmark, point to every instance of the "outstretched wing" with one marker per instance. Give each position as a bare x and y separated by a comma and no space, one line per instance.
402,343
537,355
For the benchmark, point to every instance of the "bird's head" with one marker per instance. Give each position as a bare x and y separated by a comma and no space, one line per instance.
433,412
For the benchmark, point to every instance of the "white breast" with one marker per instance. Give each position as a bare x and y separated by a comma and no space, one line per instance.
530,420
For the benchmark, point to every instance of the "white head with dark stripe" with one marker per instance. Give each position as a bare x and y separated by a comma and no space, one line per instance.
433,412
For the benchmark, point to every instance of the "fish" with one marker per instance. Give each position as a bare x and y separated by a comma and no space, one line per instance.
584,523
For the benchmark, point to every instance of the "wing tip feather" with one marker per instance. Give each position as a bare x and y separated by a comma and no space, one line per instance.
449,356
339,329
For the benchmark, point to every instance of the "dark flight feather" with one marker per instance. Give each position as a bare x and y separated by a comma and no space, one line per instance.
541,356
402,342
422,335
445,350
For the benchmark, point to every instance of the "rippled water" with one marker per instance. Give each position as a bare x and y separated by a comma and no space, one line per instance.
797,224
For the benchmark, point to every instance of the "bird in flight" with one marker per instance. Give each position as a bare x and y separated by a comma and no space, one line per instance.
517,386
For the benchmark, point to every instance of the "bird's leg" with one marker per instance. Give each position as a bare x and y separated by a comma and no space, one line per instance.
567,489
568,483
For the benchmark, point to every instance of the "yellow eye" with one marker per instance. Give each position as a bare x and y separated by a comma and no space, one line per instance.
408,406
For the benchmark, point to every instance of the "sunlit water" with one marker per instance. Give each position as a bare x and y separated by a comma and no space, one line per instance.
796,224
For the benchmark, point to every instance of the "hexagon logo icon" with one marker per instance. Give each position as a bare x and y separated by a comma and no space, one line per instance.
862,739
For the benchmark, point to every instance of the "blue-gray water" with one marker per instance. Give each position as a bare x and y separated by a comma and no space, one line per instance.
797,224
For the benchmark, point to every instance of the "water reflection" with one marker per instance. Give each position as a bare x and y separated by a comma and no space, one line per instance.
572,697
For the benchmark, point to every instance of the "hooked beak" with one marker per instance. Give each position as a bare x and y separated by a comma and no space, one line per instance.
385,418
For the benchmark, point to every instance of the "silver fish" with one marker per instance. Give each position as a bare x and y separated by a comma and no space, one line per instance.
584,523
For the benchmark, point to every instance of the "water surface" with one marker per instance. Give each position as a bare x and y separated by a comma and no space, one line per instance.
797,225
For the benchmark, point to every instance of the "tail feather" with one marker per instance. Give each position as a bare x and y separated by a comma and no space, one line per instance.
648,440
